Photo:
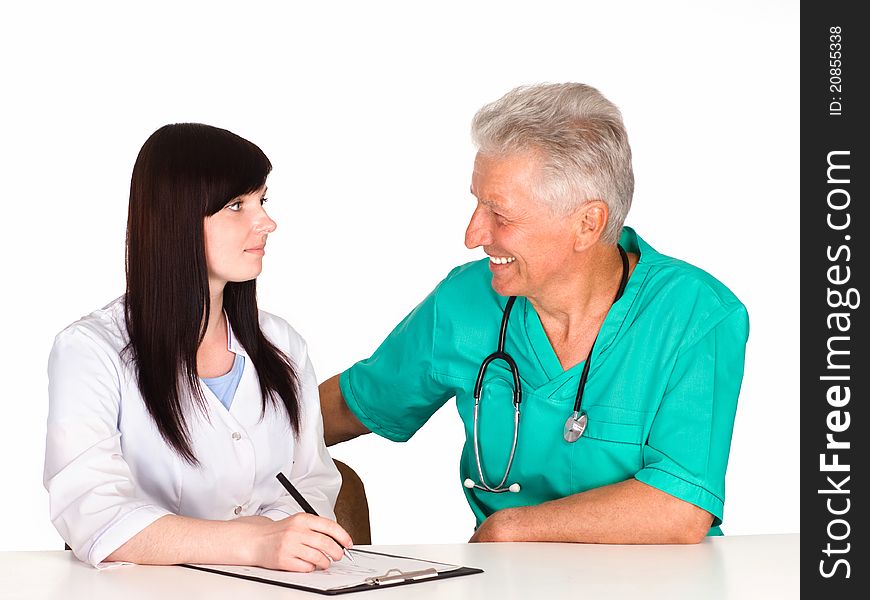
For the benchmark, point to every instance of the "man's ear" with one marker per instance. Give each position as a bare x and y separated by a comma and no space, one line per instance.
590,221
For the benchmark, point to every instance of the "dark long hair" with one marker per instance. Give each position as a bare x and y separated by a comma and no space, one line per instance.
184,173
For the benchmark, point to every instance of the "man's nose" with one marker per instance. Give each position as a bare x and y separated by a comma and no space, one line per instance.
477,233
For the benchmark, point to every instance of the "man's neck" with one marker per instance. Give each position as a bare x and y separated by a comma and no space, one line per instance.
574,308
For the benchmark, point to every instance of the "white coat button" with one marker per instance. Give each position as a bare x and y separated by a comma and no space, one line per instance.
237,510
237,436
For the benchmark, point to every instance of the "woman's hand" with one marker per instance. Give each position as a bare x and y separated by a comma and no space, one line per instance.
301,542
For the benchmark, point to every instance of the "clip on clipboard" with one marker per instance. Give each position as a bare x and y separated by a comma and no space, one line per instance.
397,576
344,577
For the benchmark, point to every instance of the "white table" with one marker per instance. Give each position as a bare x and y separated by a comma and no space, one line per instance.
739,567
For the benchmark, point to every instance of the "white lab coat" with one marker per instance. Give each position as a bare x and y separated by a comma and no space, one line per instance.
109,474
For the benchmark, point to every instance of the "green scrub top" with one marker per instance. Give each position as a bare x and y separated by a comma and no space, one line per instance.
661,393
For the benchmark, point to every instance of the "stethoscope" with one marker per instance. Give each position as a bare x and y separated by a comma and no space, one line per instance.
574,426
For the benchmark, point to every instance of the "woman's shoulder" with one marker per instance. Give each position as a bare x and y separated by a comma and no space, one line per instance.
105,326
282,334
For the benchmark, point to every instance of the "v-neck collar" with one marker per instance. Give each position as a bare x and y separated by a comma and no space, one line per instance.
613,322
234,346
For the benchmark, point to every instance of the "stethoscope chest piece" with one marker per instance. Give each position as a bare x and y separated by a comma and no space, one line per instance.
575,426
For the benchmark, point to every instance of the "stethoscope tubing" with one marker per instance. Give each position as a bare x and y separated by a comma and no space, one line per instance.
483,484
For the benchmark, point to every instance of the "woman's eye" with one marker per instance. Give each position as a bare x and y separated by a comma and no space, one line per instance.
263,200
235,206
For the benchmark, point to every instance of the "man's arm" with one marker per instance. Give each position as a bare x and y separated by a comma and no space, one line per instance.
628,512
339,423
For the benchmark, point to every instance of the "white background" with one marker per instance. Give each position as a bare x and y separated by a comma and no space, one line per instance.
364,108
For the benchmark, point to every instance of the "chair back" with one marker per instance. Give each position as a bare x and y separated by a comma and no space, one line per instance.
351,506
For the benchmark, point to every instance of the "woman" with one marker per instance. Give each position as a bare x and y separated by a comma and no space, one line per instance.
172,409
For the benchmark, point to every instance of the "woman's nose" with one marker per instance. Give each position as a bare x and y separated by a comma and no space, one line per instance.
265,224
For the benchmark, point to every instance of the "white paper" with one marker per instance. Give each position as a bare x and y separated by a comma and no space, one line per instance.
341,574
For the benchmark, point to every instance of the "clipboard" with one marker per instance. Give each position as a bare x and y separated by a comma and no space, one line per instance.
391,577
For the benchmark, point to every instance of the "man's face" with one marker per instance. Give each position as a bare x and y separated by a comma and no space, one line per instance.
528,245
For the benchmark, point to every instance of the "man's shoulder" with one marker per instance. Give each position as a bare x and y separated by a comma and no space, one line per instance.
474,273
666,276
688,298
689,283
465,285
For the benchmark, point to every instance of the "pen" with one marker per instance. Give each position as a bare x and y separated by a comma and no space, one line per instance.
306,507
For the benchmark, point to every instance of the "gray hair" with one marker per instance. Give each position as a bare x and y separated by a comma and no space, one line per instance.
586,155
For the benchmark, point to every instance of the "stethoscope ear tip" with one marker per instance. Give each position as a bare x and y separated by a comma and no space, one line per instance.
514,487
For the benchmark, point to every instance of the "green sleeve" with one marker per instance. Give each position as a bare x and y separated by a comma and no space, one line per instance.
394,392
686,453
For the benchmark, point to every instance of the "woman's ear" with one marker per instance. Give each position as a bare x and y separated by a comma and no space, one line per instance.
590,221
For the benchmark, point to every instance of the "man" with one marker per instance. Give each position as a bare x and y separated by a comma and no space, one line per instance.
606,412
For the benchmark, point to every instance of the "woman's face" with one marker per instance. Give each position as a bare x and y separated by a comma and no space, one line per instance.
235,239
